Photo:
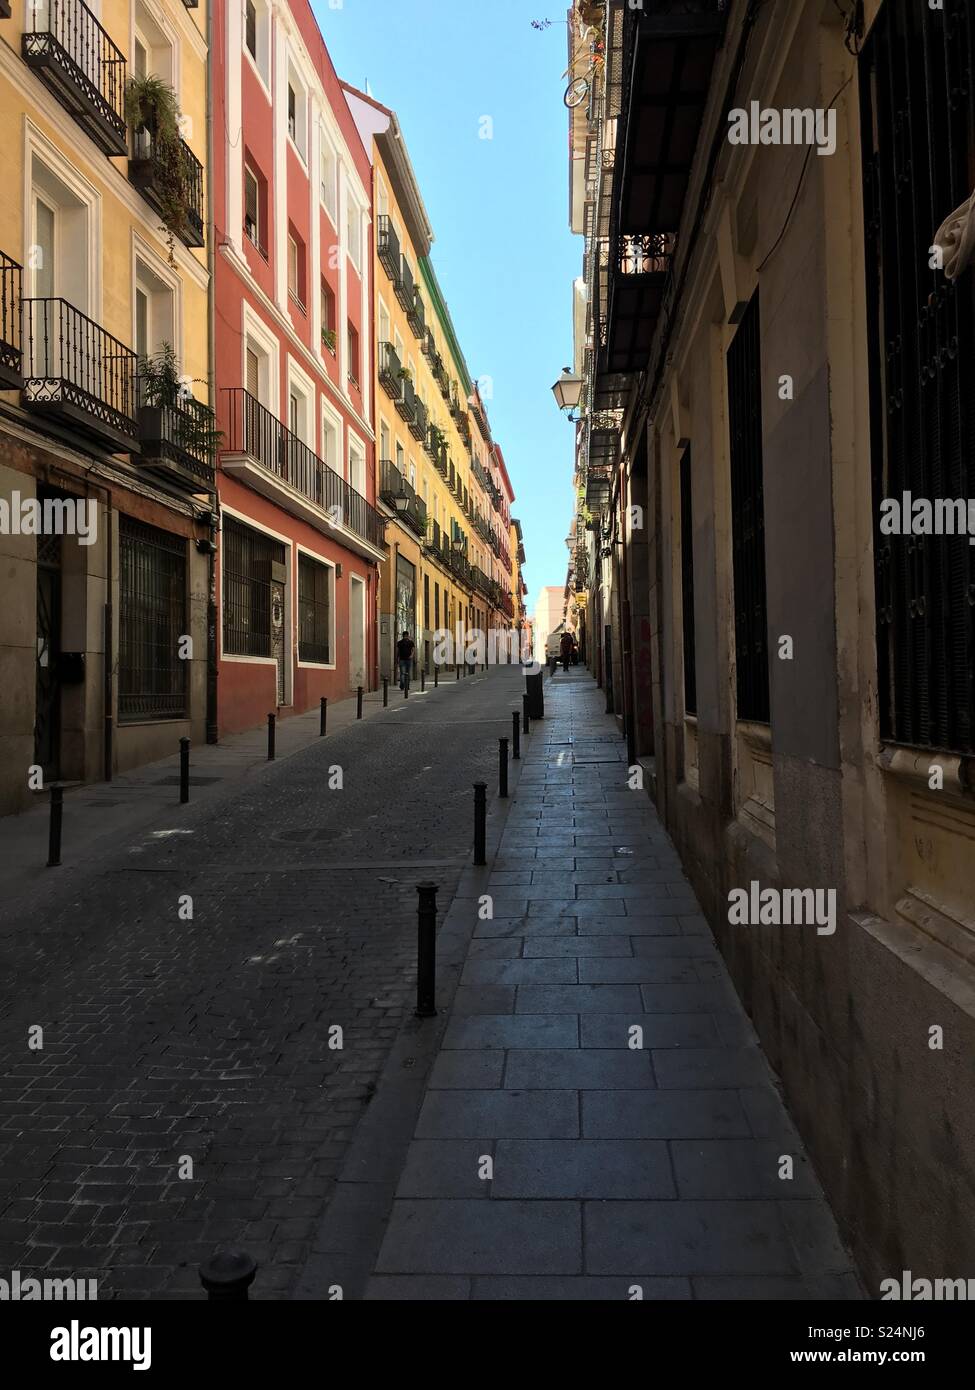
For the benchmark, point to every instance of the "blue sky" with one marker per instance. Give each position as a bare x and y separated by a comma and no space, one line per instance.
503,253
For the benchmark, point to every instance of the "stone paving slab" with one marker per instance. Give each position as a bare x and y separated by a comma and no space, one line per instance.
600,1115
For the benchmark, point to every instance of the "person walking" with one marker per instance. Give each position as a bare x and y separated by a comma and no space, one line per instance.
565,650
405,650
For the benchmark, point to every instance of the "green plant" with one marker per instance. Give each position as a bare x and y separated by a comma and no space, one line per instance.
404,374
152,111
193,424
328,338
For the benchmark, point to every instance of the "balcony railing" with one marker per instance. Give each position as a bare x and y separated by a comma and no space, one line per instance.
406,402
259,434
73,56
399,494
147,174
387,248
11,356
78,373
419,423
428,346
389,370
405,285
176,439
437,449
416,316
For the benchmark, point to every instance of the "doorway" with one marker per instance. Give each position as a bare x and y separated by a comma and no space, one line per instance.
47,706
357,632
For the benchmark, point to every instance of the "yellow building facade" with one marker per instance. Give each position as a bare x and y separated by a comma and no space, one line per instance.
103,254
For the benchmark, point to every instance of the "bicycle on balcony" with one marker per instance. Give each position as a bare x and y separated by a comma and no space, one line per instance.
578,88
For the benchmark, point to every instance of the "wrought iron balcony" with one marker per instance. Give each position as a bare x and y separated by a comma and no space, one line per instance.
404,287
464,427
11,356
399,494
387,247
78,374
73,56
428,346
177,439
389,370
257,434
437,449
420,421
477,410
416,316
406,401
148,175
440,376
191,4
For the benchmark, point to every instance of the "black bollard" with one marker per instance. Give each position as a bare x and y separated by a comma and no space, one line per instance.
324,724
54,832
526,723
426,951
271,722
423,682
480,822
502,767
515,736
457,669
385,692
184,771
228,1275
436,677
358,702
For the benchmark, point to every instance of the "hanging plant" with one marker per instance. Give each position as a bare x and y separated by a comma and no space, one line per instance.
191,425
153,115
328,339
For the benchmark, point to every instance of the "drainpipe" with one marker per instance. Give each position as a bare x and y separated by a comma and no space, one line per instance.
108,644
212,727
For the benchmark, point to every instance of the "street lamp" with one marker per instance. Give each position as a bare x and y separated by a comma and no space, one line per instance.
567,390
401,502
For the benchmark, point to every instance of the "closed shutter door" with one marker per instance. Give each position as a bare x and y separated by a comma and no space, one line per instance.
253,373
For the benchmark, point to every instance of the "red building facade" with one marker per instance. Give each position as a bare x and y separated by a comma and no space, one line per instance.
300,537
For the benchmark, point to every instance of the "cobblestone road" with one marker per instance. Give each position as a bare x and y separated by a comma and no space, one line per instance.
167,1039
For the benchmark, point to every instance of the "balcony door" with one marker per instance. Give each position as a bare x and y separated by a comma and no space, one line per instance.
357,632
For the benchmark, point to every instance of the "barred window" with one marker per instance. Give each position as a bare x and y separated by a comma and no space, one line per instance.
314,606
748,516
248,560
152,680
917,84
687,583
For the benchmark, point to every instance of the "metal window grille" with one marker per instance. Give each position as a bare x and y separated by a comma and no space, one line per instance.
748,517
687,583
248,558
917,72
313,610
152,680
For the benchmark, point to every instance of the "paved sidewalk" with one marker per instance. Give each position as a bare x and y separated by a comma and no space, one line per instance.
656,1166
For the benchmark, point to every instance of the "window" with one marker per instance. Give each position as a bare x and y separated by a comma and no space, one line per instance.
687,583
255,206
292,113
152,48
329,179
314,610
918,155
250,28
400,457
296,268
357,466
155,312
328,317
331,441
383,440
257,35
253,373
153,617
249,561
60,232
354,234
297,113
748,516
354,365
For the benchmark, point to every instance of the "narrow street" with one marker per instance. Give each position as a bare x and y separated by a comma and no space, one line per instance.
208,1038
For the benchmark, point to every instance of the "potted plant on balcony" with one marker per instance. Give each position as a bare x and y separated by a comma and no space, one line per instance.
328,340
153,115
404,374
168,412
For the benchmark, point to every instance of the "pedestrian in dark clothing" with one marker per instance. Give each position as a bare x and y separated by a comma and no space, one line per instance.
405,649
565,650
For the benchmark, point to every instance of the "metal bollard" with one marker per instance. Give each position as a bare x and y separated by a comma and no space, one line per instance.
480,822
184,771
406,691
228,1275
423,682
526,724
385,692
54,831
515,736
324,724
457,669
426,951
271,722
358,702
436,677
502,767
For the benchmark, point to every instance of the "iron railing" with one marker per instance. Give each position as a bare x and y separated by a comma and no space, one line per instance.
314,611
250,559
389,370
387,247
416,315
420,423
178,433
146,173
748,516
404,285
74,56
73,367
259,434
152,675
400,494
917,86
406,401
11,355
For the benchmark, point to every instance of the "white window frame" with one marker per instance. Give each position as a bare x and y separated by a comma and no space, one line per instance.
256,330
298,141
261,64
157,266
301,385
328,152
37,145
355,443
333,584
289,612
331,421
